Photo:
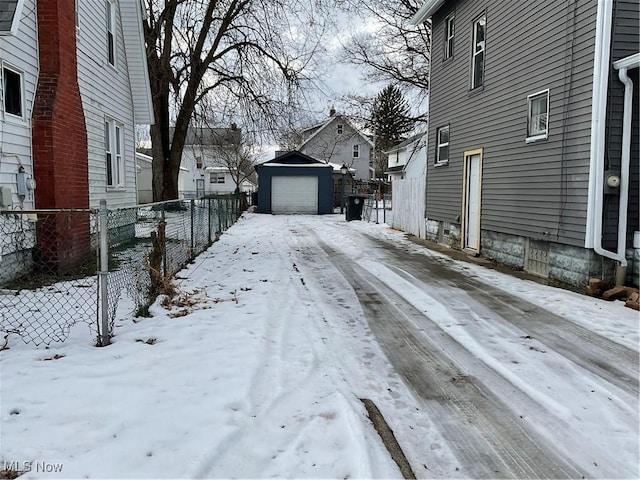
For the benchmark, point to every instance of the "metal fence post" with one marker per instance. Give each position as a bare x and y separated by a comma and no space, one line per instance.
164,246
103,217
191,251
209,220
218,215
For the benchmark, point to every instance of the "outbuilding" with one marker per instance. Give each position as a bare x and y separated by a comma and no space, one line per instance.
295,183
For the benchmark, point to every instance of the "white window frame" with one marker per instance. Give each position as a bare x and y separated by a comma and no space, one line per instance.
449,34
9,115
199,163
112,39
478,48
114,154
356,151
340,129
533,136
440,145
218,178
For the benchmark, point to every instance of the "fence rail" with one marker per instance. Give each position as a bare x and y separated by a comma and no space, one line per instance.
62,268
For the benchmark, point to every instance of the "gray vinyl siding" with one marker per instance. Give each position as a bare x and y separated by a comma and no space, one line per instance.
624,42
539,189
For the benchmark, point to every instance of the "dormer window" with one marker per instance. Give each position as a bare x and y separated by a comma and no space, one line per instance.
340,129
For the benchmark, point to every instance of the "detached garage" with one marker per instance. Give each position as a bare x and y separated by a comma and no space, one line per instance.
295,183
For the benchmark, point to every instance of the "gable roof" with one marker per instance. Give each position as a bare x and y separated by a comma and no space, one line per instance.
10,14
333,118
131,18
428,8
294,158
406,142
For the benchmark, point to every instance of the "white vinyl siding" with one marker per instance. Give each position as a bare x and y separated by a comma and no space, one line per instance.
19,53
538,116
105,93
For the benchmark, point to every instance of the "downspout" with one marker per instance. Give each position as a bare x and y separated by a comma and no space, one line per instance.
595,200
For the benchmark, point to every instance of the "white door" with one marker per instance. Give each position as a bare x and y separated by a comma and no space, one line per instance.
296,194
472,207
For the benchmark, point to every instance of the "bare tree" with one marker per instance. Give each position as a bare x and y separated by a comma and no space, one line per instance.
239,159
391,50
246,56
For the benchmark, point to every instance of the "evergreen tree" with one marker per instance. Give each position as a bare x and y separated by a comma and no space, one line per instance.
390,122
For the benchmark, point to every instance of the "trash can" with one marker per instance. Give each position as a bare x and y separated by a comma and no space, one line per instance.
354,207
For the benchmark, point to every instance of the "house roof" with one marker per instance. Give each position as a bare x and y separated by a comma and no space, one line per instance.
406,142
333,118
131,18
428,8
294,159
10,14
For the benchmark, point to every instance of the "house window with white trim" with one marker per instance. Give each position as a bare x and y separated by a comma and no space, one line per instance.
12,92
449,25
442,148
113,153
477,55
217,178
198,161
538,116
340,129
356,151
111,32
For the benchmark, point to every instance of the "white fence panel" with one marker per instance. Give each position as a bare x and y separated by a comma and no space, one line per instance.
409,206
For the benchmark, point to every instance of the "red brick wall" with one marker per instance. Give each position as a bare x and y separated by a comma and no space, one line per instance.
60,154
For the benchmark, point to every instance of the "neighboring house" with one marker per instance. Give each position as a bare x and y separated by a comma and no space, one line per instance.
144,181
531,134
75,133
18,79
407,173
338,141
408,158
114,86
209,159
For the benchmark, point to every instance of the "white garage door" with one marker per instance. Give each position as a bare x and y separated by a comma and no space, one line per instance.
294,194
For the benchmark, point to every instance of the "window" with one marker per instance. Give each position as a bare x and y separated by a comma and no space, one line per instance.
442,149
12,89
216,178
477,57
198,161
340,129
111,32
356,151
449,26
538,116
113,153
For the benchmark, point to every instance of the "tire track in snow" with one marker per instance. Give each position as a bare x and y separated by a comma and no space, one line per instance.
489,439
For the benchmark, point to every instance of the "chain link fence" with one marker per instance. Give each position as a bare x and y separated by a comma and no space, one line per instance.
60,268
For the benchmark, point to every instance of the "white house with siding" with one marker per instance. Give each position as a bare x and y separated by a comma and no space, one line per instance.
18,79
338,141
114,85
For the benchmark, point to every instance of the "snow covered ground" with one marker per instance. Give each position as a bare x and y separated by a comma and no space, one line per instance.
258,367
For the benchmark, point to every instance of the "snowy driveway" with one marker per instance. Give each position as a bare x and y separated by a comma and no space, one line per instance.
287,321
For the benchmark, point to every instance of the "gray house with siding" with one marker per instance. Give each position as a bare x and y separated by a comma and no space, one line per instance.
533,141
